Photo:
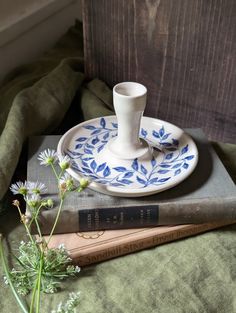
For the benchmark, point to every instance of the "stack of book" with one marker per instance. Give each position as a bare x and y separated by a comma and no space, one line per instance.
95,227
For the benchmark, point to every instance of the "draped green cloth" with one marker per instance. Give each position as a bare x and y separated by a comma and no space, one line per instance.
193,275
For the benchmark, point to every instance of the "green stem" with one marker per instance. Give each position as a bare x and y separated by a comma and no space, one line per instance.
33,297
54,171
25,225
29,234
19,301
56,220
39,283
36,215
38,228
61,172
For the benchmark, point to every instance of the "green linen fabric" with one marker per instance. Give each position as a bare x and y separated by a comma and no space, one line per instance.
194,275
35,97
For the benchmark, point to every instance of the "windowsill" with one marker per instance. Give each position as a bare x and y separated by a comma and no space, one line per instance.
18,23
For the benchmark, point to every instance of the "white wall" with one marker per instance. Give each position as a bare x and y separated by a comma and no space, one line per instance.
11,10
30,27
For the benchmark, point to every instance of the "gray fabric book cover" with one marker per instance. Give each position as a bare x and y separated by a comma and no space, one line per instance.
209,194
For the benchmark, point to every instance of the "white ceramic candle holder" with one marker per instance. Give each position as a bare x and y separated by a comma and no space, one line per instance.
129,100
129,155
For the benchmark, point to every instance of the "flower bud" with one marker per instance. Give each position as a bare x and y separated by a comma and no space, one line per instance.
83,183
16,202
50,203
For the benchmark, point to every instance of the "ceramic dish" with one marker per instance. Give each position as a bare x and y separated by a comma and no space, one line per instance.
174,156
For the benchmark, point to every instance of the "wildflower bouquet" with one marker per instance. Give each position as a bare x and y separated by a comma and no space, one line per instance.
39,268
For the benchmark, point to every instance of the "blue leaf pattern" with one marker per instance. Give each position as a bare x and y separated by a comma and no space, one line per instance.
115,125
95,140
106,172
144,170
166,144
117,184
78,146
153,181
106,136
177,165
103,122
88,151
153,162
162,171
100,148
155,134
90,127
86,148
126,181
143,133
101,167
120,169
165,137
97,131
184,150
162,132
162,180
177,172
190,157
81,139
87,170
87,159
93,165
141,181
135,164
169,156
175,142
128,174
85,164
89,146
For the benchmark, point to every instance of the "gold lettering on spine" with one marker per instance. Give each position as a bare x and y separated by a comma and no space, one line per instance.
96,219
89,220
141,217
148,215
121,218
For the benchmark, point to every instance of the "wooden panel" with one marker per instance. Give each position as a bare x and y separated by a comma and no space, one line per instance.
184,51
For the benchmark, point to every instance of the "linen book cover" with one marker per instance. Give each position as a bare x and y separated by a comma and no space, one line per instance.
209,194
86,248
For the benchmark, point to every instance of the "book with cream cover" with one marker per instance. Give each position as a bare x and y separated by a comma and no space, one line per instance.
86,248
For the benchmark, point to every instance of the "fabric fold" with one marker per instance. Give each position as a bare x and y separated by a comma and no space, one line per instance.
35,110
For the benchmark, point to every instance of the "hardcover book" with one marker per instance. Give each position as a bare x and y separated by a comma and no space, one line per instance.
92,247
208,195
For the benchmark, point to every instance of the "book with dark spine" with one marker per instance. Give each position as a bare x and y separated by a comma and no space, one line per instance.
208,195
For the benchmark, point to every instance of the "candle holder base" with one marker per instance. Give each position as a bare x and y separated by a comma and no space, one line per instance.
124,151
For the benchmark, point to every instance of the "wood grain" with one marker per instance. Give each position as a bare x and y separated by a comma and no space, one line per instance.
184,51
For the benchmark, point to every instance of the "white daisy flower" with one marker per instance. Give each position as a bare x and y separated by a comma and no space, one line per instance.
62,246
47,157
5,280
66,182
33,200
36,187
19,188
77,269
64,162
